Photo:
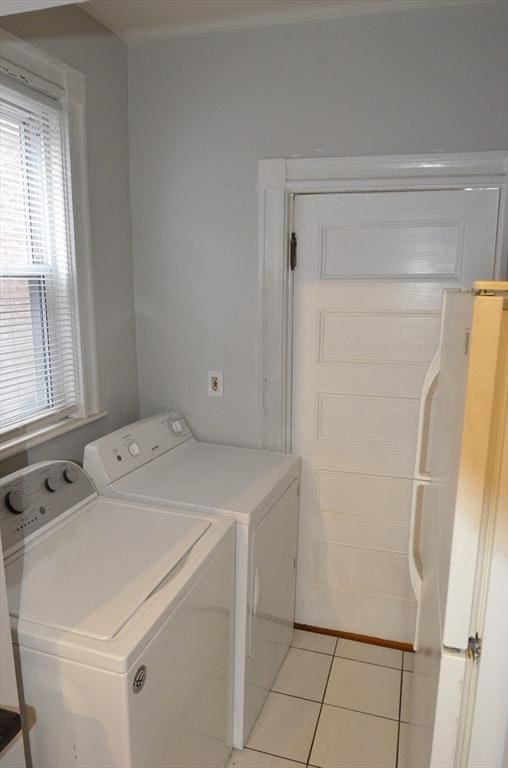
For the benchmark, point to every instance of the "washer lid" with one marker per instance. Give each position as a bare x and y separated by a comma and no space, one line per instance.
90,575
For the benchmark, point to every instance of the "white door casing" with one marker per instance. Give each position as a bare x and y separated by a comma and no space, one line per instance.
279,181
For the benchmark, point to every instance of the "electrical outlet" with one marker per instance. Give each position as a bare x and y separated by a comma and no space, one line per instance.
215,384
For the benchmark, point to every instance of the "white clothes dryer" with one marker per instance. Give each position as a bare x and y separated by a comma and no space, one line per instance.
122,620
158,460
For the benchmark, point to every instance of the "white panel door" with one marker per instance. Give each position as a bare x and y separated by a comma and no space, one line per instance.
368,285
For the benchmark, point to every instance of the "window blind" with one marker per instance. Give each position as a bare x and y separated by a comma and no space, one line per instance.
38,308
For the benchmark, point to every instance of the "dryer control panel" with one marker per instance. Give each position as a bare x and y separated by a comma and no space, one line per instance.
35,496
120,452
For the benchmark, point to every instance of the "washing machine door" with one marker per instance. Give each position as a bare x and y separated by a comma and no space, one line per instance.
89,574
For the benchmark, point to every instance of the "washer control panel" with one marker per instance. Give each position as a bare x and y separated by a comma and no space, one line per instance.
118,453
33,497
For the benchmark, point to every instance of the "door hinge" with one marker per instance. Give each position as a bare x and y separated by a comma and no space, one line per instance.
474,647
292,251
467,336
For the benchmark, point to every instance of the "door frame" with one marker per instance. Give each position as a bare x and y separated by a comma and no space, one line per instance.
279,181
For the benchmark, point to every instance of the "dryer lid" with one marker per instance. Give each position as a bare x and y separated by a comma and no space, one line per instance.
91,574
204,475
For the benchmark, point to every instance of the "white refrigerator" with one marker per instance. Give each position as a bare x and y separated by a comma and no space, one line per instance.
459,541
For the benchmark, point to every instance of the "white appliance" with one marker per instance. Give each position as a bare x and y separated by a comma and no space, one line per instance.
122,620
458,553
158,460
12,754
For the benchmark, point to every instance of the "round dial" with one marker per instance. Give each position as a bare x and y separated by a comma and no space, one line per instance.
70,475
15,502
51,483
134,449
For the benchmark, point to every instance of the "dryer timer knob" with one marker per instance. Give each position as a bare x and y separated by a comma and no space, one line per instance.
15,501
70,475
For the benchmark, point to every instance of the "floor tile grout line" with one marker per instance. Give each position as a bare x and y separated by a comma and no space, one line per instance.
272,754
294,696
372,663
362,712
311,650
320,708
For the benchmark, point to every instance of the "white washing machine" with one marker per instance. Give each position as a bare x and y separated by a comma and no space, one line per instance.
122,620
157,460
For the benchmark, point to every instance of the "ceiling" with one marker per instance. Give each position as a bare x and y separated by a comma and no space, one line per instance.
139,19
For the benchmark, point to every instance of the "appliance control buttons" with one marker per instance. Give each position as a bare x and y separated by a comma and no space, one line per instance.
15,502
134,449
176,427
70,475
51,483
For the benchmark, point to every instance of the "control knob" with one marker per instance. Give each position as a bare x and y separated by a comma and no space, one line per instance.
134,449
16,502
70,475
51,483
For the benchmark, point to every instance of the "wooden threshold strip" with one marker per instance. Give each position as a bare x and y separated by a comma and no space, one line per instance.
359,638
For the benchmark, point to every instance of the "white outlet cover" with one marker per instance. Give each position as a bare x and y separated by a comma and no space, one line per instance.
215,384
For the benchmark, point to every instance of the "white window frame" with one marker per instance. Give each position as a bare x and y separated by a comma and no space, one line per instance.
279,180
35,69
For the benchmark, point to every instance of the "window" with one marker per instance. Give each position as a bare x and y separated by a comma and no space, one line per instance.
42,381
38,339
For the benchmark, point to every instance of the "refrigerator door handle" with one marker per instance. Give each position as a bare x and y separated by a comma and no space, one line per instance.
423,415
420,480
414,562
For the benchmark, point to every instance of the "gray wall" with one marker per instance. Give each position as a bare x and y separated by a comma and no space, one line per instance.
72,36
205,109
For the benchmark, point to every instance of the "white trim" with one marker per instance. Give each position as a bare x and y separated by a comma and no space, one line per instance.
278,181
42,66
60,82
46,433
132,29
391,169
76,137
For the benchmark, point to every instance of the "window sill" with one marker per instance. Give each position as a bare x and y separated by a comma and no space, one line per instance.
44,434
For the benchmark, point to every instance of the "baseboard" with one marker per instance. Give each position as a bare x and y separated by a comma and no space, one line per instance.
359,638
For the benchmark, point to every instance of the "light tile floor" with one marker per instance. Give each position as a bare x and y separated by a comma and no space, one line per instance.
334,704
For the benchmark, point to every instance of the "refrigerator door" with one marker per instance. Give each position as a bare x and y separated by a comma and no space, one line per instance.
451,521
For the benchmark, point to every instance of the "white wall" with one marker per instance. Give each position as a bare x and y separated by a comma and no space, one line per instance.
205,109
71,35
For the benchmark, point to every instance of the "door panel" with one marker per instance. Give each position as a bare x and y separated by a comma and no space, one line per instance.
372,267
